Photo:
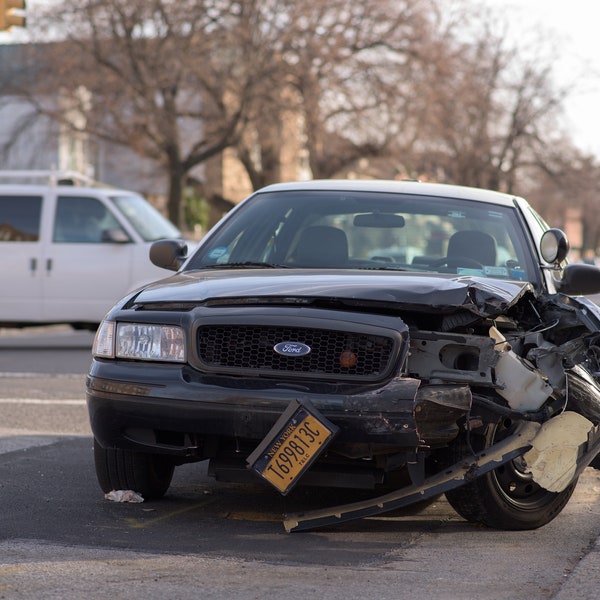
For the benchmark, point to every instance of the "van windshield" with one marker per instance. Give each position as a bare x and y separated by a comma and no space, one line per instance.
145,219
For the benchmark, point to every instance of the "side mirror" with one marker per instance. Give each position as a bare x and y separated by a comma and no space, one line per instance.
554,246
168,254
115,236
579,280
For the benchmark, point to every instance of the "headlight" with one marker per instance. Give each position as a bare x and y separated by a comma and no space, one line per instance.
104,342
140,342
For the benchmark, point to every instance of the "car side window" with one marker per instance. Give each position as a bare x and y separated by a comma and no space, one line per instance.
82,220
20,218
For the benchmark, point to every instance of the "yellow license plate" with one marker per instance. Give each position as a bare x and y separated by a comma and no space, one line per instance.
292,445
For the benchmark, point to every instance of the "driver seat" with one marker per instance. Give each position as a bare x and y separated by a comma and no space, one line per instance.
321,246
473,244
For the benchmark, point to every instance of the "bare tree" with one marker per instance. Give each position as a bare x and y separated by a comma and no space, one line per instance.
344,68
421,88
566,193
489,109
171,80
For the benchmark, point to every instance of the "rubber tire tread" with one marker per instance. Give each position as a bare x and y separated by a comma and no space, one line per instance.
479,502
148,474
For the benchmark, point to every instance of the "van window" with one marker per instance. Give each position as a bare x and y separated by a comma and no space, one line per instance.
20,218
146,220
82,220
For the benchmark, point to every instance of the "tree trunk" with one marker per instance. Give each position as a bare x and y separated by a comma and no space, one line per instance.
174,204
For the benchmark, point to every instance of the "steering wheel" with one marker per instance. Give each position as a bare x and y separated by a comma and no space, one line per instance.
456,261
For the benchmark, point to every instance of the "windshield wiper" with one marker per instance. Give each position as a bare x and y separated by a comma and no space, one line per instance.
245,264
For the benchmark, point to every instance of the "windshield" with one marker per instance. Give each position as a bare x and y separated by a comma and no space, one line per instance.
378,231
145,219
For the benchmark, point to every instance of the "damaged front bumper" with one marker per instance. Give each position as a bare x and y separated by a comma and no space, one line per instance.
173,408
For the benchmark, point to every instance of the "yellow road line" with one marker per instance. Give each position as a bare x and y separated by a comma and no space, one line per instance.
141,524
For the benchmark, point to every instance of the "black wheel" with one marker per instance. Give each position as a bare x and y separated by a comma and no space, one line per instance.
148,474
506,498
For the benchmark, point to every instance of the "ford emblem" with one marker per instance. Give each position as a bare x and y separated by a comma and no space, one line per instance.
292,349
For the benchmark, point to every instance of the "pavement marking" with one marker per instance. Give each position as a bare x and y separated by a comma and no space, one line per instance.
30,375
12,442
66,402
9,570
254,516
139,524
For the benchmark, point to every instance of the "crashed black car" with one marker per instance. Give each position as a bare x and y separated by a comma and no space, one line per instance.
411,338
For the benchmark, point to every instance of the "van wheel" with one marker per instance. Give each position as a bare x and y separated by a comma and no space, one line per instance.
147,474
507,497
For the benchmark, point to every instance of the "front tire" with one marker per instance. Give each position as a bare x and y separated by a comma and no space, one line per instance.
148,474
507,497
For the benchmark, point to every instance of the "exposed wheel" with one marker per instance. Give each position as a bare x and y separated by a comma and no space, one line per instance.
506,498
148,474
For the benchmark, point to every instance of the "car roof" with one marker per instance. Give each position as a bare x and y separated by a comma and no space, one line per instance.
395,187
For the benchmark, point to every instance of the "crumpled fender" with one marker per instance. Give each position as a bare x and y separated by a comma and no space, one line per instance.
553,458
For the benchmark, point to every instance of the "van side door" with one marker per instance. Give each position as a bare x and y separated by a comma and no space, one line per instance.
21,257
88,263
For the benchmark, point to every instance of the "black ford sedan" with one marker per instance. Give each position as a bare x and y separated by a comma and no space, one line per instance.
409,338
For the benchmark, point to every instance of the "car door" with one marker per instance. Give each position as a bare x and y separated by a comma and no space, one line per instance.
88,264
21,252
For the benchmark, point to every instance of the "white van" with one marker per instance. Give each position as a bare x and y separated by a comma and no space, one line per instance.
69,248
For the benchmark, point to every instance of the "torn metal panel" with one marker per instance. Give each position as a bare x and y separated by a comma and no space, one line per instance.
552,460
438,409
585,312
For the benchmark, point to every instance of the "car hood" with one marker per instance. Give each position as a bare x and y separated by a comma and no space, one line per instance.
483,296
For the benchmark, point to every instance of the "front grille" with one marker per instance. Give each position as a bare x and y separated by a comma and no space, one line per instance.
250,348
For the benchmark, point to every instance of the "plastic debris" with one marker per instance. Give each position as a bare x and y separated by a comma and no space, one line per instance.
124,496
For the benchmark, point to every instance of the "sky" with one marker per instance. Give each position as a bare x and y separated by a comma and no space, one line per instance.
571,25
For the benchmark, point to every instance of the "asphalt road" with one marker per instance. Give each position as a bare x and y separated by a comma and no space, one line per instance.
50,350
60,538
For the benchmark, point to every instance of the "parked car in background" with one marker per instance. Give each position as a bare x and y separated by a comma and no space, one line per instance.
293,348
70,248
